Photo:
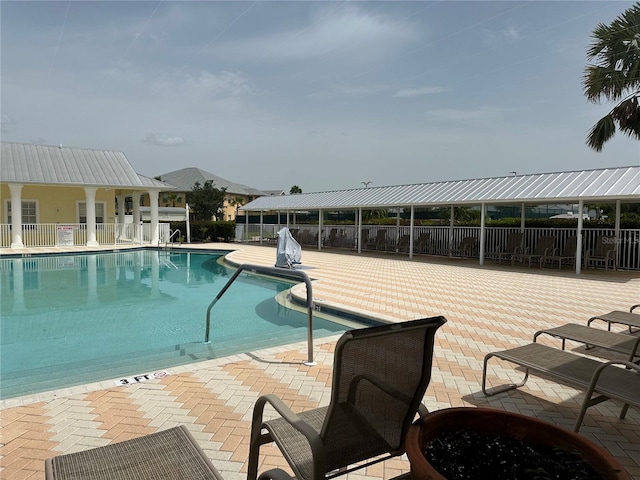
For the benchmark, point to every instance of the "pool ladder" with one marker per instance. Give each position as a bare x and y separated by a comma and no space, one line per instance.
272,272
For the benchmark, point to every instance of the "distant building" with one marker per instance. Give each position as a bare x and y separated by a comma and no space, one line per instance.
184,180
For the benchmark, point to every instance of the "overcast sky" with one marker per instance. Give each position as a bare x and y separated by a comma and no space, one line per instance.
324,95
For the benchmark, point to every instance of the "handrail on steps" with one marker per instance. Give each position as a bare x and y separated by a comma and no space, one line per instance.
170,239
274,272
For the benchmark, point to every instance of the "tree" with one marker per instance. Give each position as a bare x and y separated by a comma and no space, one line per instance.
174,198
295,189
206,201
615,76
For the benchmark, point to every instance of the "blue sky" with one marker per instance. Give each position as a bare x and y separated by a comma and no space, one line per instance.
323,95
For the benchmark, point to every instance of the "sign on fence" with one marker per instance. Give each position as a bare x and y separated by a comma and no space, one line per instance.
64,235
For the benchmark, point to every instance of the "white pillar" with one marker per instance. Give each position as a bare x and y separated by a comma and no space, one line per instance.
483,215
261,226
617,227
121,213
16,215
523,214
137,228
320,226
153,203
579,238
359,230
451,221
90,201
411,222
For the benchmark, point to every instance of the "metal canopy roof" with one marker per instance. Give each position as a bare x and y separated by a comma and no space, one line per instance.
50,165
607,184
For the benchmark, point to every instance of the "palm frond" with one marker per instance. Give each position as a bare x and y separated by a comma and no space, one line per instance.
627,116
601,132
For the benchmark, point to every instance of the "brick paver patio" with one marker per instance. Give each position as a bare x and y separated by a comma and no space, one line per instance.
488,308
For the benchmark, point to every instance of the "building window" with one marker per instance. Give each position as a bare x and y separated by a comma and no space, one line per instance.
82,212
29,211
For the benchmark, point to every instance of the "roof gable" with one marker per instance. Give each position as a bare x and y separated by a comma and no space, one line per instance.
50,165
185,178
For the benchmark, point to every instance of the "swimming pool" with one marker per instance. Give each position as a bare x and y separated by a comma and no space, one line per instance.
73,319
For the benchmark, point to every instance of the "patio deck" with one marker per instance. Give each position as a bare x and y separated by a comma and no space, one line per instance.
488,308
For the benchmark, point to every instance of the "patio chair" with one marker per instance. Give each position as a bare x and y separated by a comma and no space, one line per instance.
567,255
514,242
603,253
424,244
543,247
171,454
467,247
380,375
403,244
379,242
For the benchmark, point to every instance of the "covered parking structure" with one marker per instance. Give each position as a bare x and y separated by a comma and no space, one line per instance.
606,185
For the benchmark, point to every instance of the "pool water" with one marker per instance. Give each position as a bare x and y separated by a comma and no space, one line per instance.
73,319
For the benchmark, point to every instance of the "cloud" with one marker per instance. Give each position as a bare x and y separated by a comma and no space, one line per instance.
7,123
164,140
352,34
507,34
412,92
459,115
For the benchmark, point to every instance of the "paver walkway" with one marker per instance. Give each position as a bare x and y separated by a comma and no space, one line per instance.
488,308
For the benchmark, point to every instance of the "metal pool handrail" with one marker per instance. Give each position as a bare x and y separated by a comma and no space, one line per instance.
274,272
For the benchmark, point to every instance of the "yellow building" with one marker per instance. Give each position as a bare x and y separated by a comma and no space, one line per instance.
72,196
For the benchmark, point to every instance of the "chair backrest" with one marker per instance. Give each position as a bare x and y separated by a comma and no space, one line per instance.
544,243
381,236
468,243
382,373
570,246
603,245
514,240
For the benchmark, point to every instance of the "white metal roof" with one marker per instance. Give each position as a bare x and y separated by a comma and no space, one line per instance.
606,184
51,165
185,178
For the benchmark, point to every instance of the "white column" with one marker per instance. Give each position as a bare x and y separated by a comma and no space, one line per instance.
153,203
523,214
90,200
137,228
121,213
320,227
617,227
261,225
451,222
359,230
579,238
411,222
16,215
483,214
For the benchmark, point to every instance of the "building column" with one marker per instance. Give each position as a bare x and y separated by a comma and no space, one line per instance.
153,203
16,215
137,228
121,210
90,200
483,231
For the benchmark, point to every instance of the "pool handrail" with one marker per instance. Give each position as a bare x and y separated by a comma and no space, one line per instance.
291,274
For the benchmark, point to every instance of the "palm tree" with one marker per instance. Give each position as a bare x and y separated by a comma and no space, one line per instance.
295,189
615,76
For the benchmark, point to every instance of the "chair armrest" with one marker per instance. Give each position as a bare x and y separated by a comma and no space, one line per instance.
275,474
389,390
633,307
313,437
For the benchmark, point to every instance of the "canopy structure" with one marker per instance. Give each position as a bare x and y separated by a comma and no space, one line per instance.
606,185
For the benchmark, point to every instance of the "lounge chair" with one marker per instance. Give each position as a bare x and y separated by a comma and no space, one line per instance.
467,248
403,244
595,337
171,454
543,248
379,242
380,375
617,380
624,318
565,256
603,253
514,242
423,244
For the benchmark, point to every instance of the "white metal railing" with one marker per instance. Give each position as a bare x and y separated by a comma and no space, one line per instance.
55,234
441,237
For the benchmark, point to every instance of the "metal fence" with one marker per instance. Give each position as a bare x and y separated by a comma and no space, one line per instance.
55,234
438,240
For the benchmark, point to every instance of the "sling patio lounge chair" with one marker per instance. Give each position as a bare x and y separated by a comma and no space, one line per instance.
171,454
566,256
380,375
543,248
514,242
602,253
